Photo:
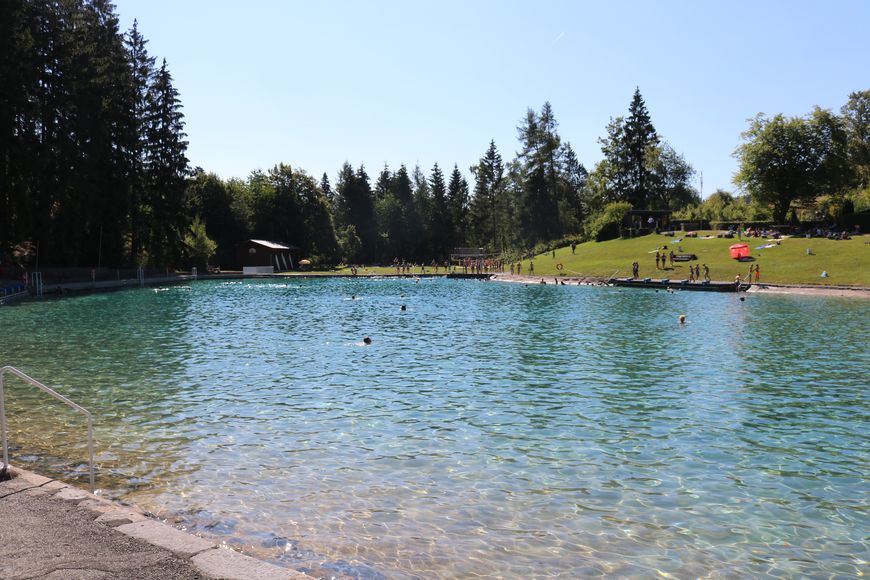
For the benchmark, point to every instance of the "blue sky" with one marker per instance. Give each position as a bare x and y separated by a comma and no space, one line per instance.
314,84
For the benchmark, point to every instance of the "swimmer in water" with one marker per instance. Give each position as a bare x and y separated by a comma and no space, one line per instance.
682,318
367,340
404,308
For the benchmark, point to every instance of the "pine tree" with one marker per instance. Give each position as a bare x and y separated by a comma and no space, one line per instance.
638,136
410,227
142,76
355,207
439,219
571,210
457,205
166,167
384,183
486,213
423,205
326,188
540,170
612,173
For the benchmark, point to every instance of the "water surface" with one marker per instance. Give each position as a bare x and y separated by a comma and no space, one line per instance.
490,429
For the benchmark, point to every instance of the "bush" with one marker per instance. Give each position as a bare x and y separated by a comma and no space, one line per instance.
607,224
543,247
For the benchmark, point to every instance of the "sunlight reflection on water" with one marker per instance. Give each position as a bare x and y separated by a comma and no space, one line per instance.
490,429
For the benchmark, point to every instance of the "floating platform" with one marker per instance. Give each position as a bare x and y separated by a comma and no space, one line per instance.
666,283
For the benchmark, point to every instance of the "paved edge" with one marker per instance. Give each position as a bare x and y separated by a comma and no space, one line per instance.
211,560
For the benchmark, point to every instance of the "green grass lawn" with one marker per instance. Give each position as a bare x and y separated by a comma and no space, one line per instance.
846,261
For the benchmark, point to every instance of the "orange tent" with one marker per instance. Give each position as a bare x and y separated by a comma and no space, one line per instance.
739,251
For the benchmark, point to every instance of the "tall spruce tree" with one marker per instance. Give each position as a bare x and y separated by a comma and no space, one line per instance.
572,210
638,136
486,211
423,205
355,207
166,168
384,184
411,226
439,218
326,188
142,76
539,156
457,207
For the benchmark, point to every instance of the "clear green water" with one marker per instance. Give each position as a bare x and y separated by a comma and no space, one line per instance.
490,429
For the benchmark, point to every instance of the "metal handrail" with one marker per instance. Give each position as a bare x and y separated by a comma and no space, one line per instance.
56,395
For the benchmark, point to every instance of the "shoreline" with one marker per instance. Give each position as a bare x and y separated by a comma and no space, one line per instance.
62,290
805,290
53,527
789,289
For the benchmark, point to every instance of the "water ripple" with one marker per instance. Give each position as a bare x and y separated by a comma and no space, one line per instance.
490,430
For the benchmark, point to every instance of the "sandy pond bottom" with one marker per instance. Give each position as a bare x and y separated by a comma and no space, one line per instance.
490,429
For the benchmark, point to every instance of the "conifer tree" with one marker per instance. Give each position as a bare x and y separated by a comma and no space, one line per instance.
638,136
166,167
457,206
141,78
410,227
423,205
486,212
439,219
540,161
326,188
384,184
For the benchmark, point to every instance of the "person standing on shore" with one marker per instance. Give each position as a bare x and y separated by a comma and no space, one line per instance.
657,260
757,273
706,273
531,268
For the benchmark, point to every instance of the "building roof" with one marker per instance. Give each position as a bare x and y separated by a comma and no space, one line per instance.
271,245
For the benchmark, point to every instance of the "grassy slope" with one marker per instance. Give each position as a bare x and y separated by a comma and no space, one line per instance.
847,262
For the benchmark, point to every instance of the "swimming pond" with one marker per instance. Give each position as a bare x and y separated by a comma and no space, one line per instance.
490,429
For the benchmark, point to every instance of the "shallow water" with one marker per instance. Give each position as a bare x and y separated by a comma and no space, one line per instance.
490,429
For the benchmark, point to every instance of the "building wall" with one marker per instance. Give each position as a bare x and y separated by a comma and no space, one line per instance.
260,256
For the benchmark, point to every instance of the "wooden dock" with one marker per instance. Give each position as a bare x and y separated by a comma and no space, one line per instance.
668,284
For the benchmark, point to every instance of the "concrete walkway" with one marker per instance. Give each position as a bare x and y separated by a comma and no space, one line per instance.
54,531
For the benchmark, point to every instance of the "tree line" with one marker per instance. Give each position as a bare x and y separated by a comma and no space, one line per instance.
543,194
92,145
93,169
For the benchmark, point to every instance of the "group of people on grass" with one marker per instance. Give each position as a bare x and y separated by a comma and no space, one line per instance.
695,272
662,258
518,269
